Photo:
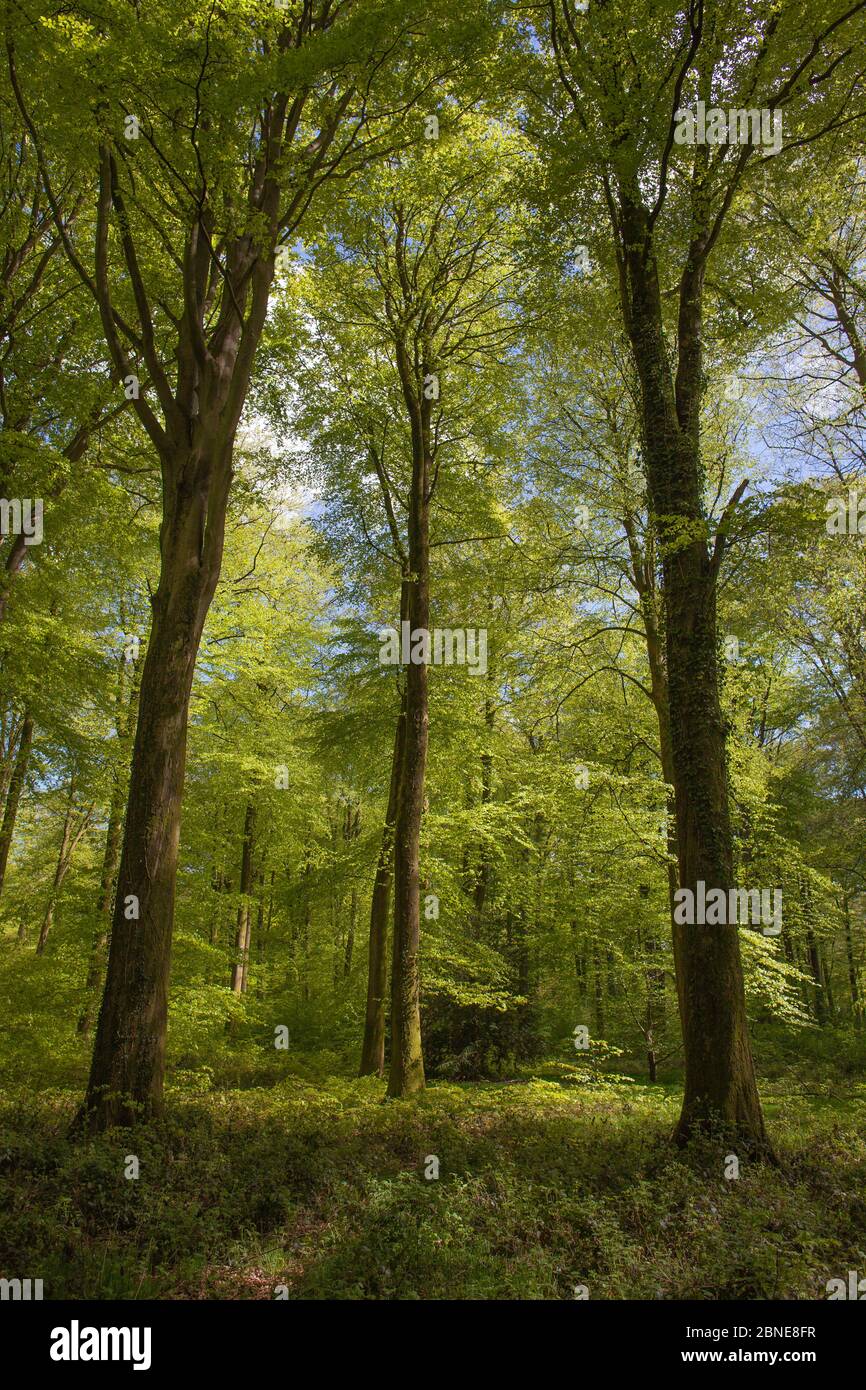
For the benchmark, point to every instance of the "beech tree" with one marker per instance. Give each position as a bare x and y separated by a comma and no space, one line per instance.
425,287
204,167
615,96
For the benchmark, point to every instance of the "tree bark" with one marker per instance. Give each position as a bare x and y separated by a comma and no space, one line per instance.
720,1083
127,1071
111,855
645,578
373,1045
406,1076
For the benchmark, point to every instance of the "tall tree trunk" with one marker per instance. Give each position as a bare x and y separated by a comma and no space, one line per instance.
128,1067
406,1076
244,917
13,796
373,1046
720,1076
659,691
111,855
720,1083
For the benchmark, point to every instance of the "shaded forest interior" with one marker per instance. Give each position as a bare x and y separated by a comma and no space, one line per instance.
432,648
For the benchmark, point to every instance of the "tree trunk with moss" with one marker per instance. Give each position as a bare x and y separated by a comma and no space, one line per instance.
720,1084
406,1075
373,1046
127,710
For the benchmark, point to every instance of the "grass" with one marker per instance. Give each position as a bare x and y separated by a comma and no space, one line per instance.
546,1183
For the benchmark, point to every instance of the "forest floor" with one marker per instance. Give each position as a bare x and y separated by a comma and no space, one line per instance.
558,1181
